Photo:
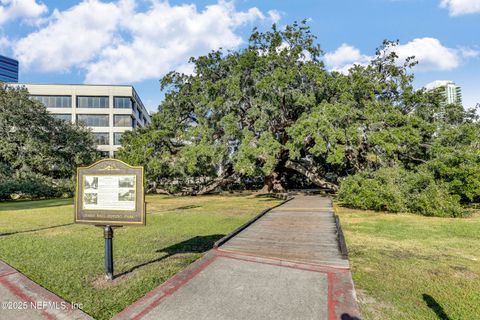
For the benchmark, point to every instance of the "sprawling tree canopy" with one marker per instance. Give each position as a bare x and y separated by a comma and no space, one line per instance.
35,147
272,109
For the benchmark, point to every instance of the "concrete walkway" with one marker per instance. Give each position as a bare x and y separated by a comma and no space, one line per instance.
23,299
286,265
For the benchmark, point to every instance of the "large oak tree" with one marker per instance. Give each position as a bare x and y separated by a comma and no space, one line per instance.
272,109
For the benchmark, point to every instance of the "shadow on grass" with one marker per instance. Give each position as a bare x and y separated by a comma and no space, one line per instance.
198,244
33,230
346,316
14,205
152,210
265,195
437,308
187,207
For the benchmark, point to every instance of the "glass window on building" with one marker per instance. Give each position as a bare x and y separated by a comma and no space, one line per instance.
120,120
122,102
93,120
62,116
54,101
117,136
92,102
102,138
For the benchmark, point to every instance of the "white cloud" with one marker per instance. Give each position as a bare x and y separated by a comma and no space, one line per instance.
4,43
469,52
274,15
21,9
113,42
166,36
72,37
461,7
344,58
429,52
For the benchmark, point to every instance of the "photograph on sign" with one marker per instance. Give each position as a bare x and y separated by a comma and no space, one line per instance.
91,183
109,192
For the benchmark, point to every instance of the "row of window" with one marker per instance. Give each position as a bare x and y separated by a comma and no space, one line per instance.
103,138
54,101
84,102
92,102
99,120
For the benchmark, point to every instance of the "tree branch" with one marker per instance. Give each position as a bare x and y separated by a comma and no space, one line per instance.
311,175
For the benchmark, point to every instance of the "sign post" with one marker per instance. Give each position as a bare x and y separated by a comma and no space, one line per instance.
110,194
108,235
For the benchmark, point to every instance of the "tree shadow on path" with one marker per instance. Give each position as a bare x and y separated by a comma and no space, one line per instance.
198,244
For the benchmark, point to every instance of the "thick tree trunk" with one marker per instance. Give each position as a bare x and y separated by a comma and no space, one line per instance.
216,183
163,191
311,175
272,183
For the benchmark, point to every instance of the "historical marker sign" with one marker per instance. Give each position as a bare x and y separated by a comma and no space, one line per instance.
110,192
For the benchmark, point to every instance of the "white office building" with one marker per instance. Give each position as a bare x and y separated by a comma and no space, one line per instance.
452,92
109,110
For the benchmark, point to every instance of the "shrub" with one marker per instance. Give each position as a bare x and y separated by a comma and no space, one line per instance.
34,186
429,197
377,191
396,189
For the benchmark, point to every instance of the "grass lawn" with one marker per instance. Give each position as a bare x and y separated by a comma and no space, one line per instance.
39,239
414,267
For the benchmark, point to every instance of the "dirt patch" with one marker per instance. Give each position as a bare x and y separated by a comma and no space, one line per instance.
364,298
461,272
372,308
407,254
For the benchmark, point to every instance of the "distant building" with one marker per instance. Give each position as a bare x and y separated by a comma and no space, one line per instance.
109,110
8,70
452,92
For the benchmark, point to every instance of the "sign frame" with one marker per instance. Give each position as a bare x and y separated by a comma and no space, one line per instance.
110,167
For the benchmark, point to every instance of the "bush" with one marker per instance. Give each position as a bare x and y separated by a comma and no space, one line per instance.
34,186
378,192
431,198
396,189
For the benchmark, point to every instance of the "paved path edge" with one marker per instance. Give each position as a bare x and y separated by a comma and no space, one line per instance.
30,292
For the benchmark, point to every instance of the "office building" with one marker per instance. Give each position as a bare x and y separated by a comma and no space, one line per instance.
451,92
8,70
109,110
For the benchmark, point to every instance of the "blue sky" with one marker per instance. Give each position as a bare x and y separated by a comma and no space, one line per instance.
137,42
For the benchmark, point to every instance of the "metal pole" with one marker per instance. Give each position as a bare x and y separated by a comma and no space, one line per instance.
108,235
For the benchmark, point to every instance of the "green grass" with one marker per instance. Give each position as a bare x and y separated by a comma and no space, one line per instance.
414,267
39,239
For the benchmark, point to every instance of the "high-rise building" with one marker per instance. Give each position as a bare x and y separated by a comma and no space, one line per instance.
452,92
109,110
8,70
